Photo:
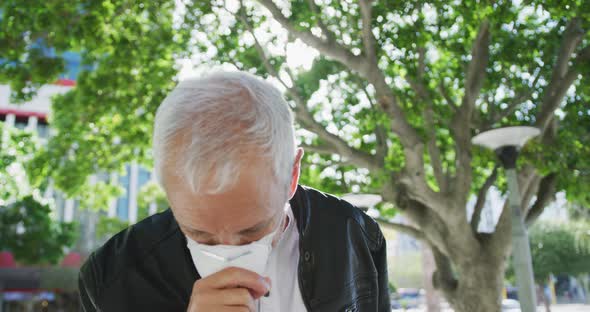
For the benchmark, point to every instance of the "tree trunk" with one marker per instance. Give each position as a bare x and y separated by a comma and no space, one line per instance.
428,267
479,287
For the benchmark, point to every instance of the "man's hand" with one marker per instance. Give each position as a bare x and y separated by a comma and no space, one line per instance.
232,289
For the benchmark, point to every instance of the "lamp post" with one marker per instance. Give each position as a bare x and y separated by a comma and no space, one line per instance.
507,142
363,201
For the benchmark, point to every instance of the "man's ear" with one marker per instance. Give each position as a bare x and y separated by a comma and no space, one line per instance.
296,171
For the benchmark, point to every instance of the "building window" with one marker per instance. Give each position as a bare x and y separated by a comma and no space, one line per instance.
123,201
20,124
43,131
143,177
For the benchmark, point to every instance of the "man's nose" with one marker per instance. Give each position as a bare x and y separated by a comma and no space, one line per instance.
231,240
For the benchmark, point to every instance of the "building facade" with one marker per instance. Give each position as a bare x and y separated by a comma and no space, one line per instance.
33,116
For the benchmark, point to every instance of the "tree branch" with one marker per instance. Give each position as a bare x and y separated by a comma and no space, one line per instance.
305,117
368,37
545,194
404,228
502,234
430,126
408,136
318,16
327,47
428,220
341,147
461,123
271,70
359,64
553,98
380,132
563,76
520,98
476,72
529,190
477,68
443,90
421,62
516,101
481,199
584,55
322,149
571,39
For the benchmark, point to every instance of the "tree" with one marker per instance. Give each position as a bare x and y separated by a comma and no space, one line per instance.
150,194
27,230
33,237
578,212
560,248
389,105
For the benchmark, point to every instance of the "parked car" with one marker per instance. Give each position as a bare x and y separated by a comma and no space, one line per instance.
407,298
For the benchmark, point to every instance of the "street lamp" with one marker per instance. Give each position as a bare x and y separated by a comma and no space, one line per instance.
364,202
507,142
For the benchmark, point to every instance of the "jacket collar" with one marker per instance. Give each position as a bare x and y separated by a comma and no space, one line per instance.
301,209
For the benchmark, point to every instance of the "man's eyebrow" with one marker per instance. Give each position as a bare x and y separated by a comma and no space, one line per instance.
197,232
257,227
251,230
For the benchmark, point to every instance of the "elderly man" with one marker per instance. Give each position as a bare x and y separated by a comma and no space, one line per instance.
240,234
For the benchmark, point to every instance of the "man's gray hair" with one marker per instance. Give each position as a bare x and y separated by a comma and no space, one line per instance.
207,126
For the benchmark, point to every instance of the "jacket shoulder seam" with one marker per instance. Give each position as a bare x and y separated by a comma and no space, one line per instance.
375,237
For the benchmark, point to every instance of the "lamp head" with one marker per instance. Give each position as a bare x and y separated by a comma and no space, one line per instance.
507,136
506,142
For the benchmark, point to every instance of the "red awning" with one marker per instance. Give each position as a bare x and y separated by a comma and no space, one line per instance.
23,113
7,260
66,82
72,260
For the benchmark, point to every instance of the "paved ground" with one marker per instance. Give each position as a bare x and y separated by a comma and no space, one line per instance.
568,308
554,308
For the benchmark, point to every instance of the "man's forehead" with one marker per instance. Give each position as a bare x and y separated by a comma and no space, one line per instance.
239,227
252,174
252,199
223,212
224,219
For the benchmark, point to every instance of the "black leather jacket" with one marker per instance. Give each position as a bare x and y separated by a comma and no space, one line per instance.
148,267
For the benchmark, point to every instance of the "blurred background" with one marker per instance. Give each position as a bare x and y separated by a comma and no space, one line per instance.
387,98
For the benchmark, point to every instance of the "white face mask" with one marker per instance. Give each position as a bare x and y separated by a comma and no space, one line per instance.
210,259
